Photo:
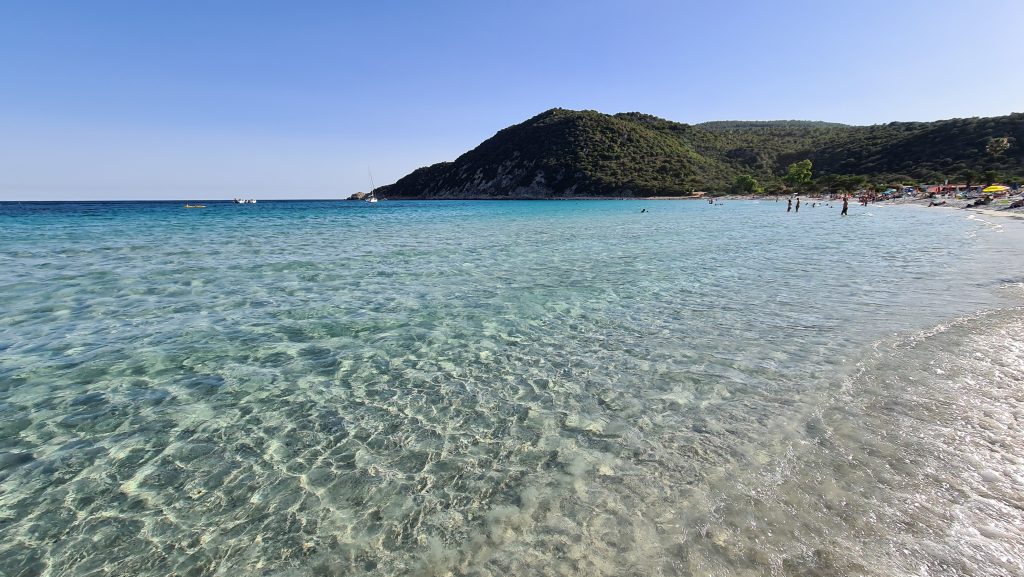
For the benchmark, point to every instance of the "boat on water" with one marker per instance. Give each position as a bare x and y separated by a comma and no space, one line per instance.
371,198
245,201
187,205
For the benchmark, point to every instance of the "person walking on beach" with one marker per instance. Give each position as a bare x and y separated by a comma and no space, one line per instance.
846,206
797,204
789,204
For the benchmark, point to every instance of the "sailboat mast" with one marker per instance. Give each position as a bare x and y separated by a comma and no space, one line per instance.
372,187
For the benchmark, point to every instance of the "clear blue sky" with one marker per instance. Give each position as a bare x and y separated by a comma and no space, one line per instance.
214,99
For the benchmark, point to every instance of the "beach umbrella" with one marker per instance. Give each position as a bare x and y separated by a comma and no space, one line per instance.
995,188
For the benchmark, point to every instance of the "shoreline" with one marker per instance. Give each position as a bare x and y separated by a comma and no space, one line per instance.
1014,213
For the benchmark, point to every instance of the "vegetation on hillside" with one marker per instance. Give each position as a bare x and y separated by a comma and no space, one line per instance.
586,153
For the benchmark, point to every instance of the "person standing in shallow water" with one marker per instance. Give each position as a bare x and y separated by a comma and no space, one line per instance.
797,204
789,204
846,206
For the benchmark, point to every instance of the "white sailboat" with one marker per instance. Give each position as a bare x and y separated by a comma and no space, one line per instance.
371,197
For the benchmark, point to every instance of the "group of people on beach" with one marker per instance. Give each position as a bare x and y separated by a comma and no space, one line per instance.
791,207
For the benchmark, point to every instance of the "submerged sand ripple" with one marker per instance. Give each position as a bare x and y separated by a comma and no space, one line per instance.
520,389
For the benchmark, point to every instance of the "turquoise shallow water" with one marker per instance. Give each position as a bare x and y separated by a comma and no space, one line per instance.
478,388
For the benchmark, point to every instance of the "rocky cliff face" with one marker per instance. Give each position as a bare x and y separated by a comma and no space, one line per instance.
507,179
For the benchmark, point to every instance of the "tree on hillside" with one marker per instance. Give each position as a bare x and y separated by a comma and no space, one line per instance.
970,177
798,174
829,181
851,183
747,184
997,146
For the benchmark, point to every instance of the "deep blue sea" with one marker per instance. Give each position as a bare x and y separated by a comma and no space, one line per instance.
510,388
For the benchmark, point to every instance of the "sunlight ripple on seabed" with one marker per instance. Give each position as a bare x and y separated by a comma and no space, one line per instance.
519,388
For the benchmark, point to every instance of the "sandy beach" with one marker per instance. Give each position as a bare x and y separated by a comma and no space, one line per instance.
993,209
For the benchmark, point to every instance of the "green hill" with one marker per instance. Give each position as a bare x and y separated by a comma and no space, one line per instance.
567,153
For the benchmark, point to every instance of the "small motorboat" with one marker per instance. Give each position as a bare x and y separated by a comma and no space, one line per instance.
187,205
